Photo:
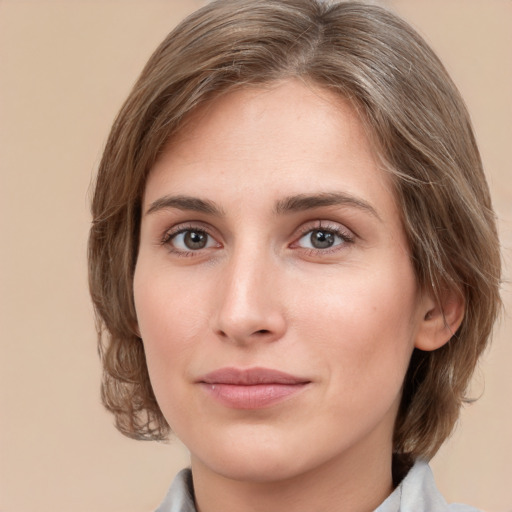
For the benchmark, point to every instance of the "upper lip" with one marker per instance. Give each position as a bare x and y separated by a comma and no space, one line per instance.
251,376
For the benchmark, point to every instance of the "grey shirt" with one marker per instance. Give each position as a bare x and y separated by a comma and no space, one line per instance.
416,493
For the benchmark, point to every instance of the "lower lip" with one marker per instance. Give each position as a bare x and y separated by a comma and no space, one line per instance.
256,396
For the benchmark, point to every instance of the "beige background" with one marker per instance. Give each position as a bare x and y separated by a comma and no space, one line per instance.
65,67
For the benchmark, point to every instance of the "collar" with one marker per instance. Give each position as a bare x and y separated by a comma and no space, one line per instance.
417,492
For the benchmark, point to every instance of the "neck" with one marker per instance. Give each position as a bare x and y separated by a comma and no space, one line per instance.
354,484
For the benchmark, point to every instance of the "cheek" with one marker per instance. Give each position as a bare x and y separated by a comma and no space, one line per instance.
169,319
168,327
363,324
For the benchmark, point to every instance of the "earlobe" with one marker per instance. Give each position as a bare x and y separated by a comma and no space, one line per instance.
440,321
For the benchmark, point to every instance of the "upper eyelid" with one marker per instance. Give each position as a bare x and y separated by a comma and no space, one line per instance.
189,226
327,225
171,232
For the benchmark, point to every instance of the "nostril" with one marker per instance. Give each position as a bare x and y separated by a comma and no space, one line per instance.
262,331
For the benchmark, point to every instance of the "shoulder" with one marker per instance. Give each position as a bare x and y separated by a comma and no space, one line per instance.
418,493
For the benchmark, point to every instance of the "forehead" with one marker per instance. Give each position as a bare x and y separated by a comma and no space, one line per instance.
288,135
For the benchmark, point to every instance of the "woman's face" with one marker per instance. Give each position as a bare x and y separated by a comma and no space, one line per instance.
274,289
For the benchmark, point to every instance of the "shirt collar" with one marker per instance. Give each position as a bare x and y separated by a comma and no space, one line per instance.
416,493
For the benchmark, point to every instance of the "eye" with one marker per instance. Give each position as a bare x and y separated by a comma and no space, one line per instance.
187,240
323,238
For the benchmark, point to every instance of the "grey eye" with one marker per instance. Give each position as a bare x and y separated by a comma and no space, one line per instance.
320,239
192,240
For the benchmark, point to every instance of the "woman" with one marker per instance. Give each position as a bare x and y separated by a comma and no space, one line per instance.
293,258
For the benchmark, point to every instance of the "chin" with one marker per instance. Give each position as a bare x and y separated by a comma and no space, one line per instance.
262,467
263,460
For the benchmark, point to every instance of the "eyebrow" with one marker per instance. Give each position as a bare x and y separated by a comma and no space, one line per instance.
303,202
296,203
185,203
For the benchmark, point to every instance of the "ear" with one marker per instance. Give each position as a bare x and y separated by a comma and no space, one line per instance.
440,320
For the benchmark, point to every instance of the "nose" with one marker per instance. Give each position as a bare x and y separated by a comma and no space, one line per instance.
250,308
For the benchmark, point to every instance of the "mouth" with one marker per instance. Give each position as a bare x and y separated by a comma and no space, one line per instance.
253,388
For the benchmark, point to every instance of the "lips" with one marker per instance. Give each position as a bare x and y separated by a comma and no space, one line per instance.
252,388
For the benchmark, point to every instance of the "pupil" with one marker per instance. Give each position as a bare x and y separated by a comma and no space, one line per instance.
322,239
195,240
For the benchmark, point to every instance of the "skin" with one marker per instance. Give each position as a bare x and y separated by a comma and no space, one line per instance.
260,294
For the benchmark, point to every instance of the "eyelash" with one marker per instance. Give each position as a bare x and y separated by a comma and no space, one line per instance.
171,234
344,234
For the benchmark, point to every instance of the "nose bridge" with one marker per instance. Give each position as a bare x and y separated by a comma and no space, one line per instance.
249,308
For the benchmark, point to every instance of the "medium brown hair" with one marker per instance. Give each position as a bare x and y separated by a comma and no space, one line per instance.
422,133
